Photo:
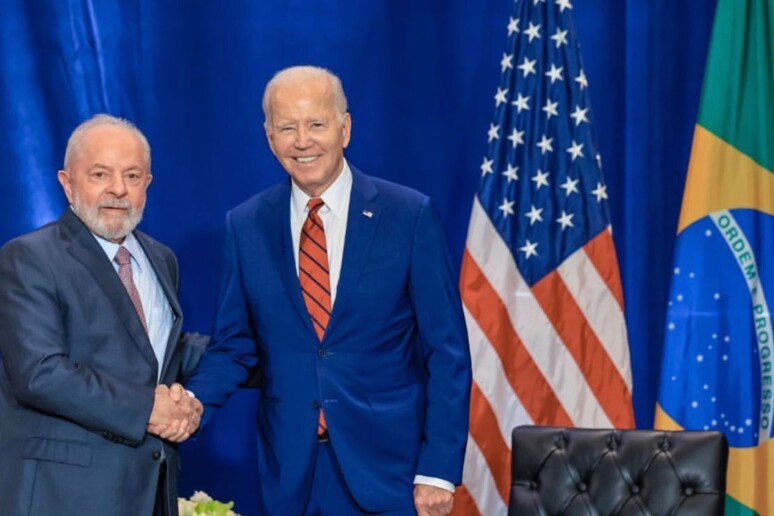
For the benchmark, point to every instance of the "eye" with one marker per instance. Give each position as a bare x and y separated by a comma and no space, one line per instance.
132,177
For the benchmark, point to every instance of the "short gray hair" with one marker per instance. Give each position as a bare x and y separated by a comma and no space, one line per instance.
296,74
75,141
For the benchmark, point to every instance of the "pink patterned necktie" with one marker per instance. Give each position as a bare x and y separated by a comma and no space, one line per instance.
314,277
124,260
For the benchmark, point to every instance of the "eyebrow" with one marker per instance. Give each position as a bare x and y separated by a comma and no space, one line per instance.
107,167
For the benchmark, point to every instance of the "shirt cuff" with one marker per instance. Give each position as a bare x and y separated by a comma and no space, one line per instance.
435,482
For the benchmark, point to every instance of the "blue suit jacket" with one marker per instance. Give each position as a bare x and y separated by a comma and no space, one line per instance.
78,378
392,371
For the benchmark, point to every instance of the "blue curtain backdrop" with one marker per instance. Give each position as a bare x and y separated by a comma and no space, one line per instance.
420,76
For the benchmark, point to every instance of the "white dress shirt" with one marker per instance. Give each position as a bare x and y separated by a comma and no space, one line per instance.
155,306
334,218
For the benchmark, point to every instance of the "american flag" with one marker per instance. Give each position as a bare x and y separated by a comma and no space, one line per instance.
540,282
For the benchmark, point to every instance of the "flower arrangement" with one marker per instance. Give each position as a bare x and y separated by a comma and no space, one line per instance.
201,504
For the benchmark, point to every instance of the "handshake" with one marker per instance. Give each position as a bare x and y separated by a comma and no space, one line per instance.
175,415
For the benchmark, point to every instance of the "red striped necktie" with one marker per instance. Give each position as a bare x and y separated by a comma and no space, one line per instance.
314,277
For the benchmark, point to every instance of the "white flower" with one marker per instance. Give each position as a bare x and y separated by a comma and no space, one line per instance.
201,504
186,507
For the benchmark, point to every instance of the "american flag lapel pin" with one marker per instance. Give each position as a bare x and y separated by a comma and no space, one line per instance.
368,213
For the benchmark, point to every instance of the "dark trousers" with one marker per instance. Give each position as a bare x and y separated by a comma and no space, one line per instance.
330,495
160,508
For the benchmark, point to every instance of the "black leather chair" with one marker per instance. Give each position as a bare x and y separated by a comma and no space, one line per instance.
583,472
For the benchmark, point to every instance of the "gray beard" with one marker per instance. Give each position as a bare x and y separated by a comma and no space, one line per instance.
108,228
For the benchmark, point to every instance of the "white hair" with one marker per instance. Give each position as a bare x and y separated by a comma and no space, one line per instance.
296,74
75,142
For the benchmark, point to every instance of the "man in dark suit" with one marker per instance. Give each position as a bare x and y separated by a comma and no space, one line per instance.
339,287
90,334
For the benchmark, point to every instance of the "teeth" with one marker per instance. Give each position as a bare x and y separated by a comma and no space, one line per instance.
306,159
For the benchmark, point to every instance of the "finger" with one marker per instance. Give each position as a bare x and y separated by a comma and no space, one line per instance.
185,431
437,510
167,434
172,430
156,429
178,438
176,392
182,435
441,507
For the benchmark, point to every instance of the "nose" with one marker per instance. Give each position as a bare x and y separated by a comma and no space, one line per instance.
118,186
303,138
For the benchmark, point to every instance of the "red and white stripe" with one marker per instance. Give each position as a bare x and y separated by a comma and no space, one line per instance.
553,354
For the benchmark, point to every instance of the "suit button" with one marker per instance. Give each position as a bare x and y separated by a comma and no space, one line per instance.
156,455
321,352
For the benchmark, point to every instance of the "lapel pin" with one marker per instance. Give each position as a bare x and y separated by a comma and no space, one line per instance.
368,213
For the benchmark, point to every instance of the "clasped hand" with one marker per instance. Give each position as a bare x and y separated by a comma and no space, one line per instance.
175,415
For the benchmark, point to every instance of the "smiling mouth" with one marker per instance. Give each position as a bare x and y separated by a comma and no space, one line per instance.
305,159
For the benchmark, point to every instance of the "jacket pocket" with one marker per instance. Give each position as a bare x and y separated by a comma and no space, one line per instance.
394,399
55,450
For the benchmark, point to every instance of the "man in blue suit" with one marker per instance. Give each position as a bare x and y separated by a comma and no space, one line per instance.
339,287
88,420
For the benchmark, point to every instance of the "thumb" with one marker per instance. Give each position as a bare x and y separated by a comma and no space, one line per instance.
176,392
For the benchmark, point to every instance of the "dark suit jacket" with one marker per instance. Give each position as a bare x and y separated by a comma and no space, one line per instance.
392,371
76,387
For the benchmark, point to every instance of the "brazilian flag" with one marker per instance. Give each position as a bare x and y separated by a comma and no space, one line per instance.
718,370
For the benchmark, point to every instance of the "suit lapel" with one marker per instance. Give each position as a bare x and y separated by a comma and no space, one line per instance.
360,233
161,269
282,249
84,248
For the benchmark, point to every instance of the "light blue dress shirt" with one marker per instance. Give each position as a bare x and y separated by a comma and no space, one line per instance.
155,306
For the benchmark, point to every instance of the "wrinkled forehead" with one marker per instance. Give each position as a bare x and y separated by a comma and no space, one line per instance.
106,141
302,101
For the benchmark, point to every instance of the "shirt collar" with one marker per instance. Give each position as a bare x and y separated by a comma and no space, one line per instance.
334,197
130,242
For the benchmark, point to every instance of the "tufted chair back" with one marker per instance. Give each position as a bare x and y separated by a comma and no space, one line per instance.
584,472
